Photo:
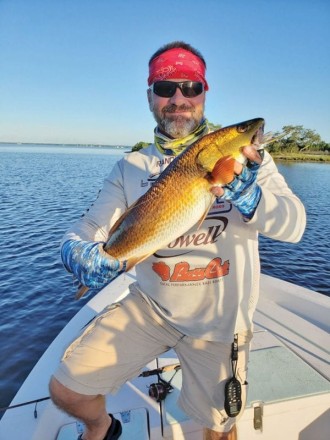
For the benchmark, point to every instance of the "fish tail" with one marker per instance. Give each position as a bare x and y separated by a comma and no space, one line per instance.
81,291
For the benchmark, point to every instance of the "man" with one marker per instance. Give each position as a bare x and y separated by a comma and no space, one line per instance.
200,319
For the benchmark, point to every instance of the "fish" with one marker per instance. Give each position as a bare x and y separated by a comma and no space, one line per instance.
180,198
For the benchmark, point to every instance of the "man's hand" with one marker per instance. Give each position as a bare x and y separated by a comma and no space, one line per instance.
89,263
243,191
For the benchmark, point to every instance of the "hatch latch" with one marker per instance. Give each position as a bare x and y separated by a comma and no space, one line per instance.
257,416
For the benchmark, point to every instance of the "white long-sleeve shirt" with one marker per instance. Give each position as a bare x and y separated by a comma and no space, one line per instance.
206,282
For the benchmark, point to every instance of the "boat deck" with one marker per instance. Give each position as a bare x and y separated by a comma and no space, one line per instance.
276,376
289,387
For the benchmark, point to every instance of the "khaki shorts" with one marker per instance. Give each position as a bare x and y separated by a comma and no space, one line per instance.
124,337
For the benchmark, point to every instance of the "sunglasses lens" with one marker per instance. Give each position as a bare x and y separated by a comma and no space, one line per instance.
167,89
191,89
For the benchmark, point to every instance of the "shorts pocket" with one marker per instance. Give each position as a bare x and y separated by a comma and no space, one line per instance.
88,328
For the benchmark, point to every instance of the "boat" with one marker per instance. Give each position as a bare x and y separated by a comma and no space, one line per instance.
289,372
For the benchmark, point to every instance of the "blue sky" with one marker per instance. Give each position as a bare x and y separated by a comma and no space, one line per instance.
74,71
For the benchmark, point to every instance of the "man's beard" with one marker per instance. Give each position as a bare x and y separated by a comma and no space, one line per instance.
178,126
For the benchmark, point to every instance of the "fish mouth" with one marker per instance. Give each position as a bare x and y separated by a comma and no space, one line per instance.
258,137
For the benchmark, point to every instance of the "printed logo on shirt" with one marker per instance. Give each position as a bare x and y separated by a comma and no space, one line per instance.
213,227
165,161
150,181
220,205
160,165
183,273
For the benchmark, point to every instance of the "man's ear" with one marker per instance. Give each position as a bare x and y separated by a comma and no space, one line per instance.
150,100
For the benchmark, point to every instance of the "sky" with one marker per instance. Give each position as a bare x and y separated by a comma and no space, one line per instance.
75,71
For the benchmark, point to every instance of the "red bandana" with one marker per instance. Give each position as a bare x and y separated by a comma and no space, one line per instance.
179,64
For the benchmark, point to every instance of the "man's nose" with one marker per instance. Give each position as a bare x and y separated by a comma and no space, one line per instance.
177,97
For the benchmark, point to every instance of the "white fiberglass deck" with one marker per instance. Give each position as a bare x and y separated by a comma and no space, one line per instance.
289,370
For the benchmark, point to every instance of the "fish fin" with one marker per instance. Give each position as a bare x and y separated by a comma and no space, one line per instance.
133,261
205,212
120,220
81,292
223,171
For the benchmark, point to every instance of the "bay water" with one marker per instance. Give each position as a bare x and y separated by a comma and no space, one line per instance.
44,189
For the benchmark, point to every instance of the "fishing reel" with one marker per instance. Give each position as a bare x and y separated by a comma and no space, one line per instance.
159,390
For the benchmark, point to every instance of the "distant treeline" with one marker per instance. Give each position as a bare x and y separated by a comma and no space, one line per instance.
297,139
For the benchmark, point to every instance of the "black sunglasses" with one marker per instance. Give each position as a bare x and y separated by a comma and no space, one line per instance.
167,89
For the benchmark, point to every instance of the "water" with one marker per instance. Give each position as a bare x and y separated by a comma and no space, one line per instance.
44,189
307,262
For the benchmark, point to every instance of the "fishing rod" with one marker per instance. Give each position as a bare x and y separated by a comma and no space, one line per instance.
147,373
160,370
159,390
30,402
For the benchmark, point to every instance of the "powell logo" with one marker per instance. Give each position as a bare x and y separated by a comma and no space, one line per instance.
203,238
213,232
182,271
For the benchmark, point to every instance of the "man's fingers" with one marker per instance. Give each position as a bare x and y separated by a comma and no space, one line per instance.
217,191
251,153
238,167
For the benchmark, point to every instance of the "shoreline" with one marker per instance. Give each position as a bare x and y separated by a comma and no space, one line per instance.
290,157
302,157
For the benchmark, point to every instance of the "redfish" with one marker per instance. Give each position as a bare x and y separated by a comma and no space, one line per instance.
181,196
